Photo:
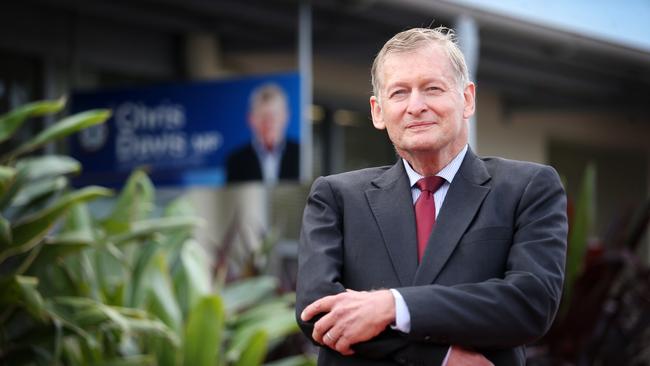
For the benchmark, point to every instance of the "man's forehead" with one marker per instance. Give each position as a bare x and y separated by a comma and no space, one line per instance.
437,59
276,102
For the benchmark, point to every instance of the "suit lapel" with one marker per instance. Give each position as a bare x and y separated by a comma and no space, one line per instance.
392,206
461,204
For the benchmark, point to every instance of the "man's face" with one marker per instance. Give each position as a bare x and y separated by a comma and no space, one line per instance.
421,104
268,120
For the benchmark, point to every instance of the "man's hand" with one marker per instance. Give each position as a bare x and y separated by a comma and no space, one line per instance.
459,356
351,317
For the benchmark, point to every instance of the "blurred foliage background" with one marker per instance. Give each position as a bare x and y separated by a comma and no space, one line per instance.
132,287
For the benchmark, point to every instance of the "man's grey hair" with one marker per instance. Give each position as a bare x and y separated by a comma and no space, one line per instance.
418,38
266,93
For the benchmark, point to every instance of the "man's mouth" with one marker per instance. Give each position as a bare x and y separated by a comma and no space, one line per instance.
420,124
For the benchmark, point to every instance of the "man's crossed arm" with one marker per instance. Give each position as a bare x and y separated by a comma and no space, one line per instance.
353,317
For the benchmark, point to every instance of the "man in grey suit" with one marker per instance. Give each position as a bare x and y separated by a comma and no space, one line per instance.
392,271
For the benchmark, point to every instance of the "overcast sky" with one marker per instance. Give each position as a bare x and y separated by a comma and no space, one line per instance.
626,22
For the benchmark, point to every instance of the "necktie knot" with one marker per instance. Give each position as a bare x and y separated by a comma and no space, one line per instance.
430,184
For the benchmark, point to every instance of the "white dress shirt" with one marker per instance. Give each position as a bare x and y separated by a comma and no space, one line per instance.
269,161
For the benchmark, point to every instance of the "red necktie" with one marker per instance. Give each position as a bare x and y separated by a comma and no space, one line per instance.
425,210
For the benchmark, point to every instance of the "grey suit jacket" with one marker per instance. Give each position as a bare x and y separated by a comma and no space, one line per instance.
491,277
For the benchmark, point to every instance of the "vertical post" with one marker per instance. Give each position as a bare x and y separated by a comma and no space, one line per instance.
468,40
305,69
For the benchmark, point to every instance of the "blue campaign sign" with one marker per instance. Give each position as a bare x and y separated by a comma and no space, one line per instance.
199,133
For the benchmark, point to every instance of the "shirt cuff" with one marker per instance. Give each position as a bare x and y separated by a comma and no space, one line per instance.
444,362
402,315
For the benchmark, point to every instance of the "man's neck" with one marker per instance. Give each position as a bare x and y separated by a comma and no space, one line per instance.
430,163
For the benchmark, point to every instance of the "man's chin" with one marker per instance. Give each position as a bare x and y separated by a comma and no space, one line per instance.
422,147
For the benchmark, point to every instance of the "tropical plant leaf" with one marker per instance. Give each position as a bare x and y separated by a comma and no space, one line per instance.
79,351
80,222
276,326
162,300
7,175
144,323
5,233
154,327
180,206
203,332
145,229
10,122
138,293
244,293
167,353
58,341
33,192
71,352
262,311
112,268
31,230
22,291
77,276
83,314
39,178
300,360
14,186
175,240
191,275
71,238
39,167
135,203
92,350
280,325
62,128
255,350
139,360
56,248
580,230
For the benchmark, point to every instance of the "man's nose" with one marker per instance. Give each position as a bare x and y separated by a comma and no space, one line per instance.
416,103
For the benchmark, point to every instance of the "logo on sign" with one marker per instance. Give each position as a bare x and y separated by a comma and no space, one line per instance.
94,137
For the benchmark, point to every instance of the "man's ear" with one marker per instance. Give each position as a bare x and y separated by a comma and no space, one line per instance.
470,100
376,112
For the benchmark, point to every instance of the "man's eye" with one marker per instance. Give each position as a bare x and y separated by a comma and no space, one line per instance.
398,92
433,88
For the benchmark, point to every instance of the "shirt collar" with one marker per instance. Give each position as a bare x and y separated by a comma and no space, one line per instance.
261,151
448,172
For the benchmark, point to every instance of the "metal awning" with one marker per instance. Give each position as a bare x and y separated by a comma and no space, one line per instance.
530,66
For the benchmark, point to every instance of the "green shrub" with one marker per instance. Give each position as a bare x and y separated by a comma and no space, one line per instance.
130,288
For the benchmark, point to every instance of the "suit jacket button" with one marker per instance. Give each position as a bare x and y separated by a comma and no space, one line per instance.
427,338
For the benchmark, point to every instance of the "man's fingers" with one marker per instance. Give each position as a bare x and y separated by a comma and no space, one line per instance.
329,339
322,305
342,346
337,342
349,318
322,327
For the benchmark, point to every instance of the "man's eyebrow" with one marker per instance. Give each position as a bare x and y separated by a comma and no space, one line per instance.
396,84
400,83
